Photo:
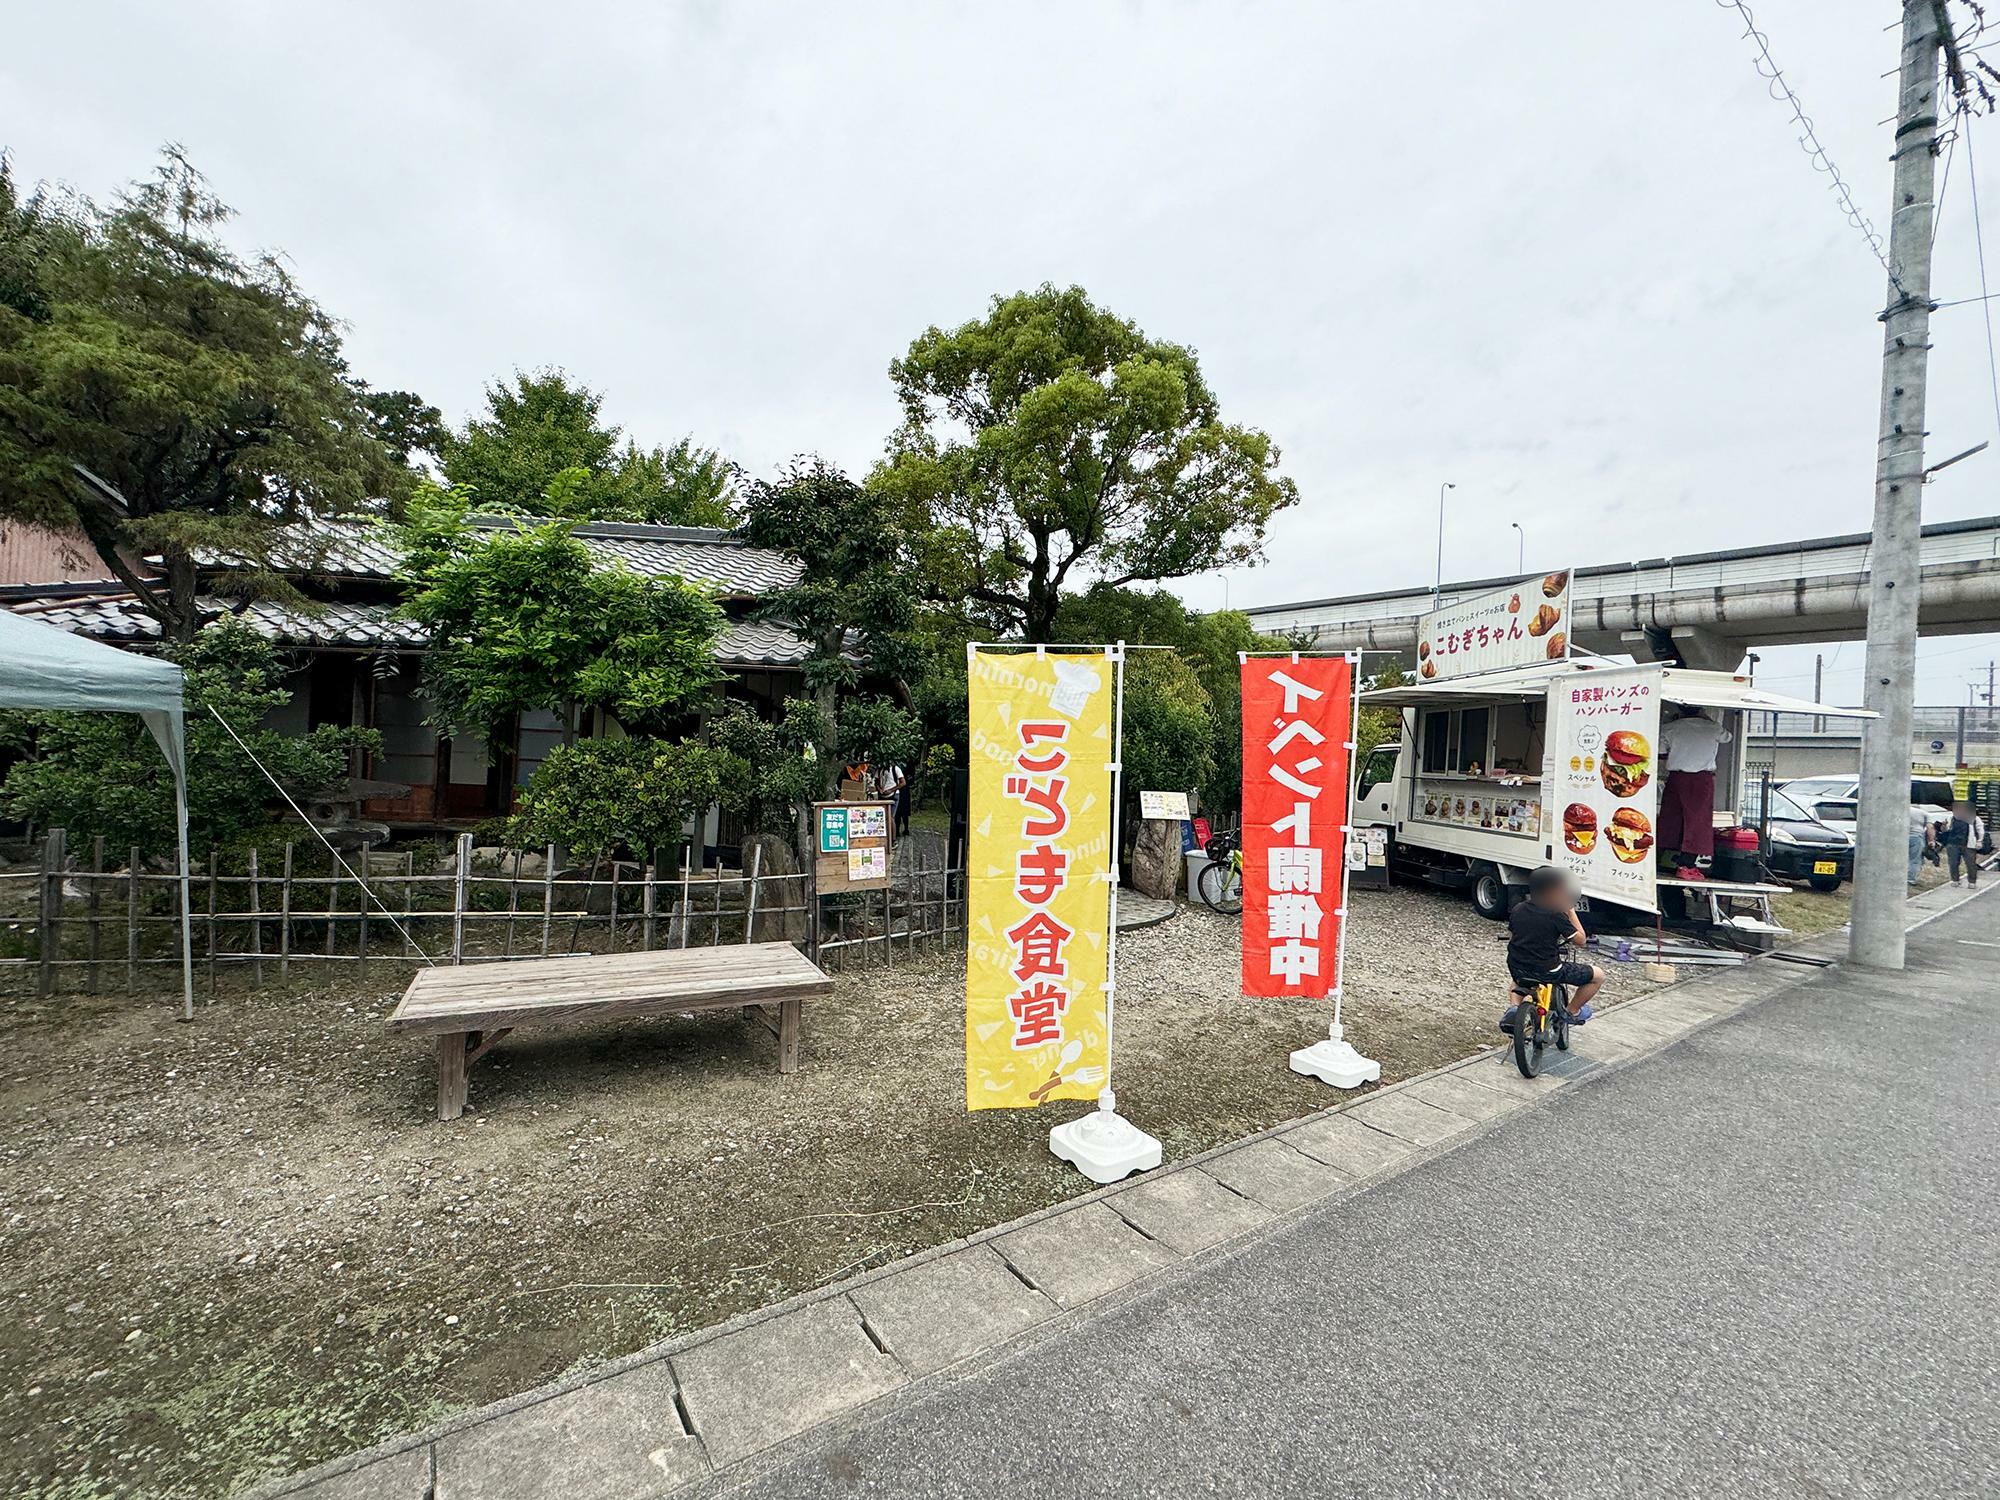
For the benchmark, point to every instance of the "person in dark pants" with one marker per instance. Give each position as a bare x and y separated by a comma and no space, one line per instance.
1687,801
1960,839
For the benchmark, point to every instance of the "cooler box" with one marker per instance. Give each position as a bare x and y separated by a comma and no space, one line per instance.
1739,855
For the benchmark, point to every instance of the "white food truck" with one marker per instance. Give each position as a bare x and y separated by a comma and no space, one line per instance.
1473,792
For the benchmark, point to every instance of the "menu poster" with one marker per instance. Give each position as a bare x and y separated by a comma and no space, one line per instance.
1516,625
1601,781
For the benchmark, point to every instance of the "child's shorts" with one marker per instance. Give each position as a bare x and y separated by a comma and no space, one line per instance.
1572,974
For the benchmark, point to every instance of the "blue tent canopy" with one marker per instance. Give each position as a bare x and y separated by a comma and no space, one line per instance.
42,667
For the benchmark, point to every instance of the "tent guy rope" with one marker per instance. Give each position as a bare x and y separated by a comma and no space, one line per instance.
341,859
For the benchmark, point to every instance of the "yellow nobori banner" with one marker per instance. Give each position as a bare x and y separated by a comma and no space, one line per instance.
1038,869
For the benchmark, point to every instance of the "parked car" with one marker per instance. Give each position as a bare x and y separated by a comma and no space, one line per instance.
1832,799
1803,847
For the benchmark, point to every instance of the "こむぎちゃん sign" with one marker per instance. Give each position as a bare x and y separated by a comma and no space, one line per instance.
1515,626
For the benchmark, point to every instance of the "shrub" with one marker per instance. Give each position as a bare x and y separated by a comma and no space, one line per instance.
595,795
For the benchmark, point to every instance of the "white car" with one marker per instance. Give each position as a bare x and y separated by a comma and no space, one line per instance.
1832,799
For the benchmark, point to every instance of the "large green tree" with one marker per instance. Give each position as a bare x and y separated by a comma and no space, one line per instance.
855,598
207,390
1207,645
1053,442
540,425
524,618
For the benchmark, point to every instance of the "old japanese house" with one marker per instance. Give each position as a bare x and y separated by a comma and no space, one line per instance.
355,663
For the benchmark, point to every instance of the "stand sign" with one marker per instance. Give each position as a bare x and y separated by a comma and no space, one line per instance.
1298,725
1039,871
1601,781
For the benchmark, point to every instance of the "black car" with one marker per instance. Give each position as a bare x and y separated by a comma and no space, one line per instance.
1800,846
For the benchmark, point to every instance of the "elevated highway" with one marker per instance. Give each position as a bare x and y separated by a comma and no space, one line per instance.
1704,610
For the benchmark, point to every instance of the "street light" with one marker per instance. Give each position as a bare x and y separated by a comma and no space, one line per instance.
1521,553
1437,592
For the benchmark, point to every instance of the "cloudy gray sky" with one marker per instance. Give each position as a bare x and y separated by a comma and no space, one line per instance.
1579,269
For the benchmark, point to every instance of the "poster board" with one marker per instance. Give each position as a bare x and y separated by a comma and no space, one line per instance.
1601,781
851,844
1171,806
1515,625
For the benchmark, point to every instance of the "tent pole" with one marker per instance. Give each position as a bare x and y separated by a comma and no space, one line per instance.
187,899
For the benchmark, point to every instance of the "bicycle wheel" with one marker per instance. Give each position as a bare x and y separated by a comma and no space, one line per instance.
1559,1017
1528,1040
1221,887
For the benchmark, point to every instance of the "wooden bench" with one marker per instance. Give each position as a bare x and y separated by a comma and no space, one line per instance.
470,1007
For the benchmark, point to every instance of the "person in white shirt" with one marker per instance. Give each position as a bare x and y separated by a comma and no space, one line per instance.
1687,802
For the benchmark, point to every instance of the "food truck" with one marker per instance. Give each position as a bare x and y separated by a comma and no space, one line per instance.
1503,764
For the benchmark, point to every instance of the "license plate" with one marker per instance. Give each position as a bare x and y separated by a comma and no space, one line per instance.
1826,867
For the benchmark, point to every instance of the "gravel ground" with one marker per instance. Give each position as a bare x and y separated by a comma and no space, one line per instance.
241,1247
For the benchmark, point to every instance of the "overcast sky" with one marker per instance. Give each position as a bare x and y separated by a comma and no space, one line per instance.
1580,269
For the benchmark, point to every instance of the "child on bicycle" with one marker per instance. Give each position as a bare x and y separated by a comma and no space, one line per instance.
1537,929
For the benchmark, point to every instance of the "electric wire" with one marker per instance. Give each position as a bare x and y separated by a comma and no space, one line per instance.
1985,297
1781,90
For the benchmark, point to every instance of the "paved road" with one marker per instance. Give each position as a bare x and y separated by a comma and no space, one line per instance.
1763,1262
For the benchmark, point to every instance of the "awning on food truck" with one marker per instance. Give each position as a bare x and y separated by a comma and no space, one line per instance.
1723,690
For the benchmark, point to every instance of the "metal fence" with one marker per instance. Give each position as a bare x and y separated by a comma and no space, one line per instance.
1960,742
99,919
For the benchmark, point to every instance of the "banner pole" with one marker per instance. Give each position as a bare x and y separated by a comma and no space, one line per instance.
1347,837
1104,1145
1111,863
1334,1060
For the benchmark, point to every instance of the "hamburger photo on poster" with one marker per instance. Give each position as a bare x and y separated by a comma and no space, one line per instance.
1600,776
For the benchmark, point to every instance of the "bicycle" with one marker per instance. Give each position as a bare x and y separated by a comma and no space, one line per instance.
1220,881
1539,1019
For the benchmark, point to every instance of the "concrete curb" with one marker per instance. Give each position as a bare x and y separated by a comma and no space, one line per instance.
1634,1028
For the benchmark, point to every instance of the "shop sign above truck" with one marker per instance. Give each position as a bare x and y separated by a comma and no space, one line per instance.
1516,625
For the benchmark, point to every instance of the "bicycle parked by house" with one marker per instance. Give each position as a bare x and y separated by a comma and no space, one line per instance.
1220,881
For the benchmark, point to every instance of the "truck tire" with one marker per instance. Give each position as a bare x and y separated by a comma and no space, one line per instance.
1489,892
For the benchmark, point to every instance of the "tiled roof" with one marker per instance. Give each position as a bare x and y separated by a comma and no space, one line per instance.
699,554
118,617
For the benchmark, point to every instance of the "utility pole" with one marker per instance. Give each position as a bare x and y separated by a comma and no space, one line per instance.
1894,576
1819,690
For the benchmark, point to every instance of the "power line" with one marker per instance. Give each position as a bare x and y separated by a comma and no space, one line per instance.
1985,302
1809,142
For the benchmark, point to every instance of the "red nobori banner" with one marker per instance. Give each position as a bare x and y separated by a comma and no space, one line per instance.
1298,717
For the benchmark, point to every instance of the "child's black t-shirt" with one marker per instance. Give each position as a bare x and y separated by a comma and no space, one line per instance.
1535,946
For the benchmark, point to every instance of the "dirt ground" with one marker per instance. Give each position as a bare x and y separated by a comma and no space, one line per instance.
240,1247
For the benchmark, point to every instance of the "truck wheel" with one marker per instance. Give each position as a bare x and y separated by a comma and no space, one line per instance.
1489,893
1824,882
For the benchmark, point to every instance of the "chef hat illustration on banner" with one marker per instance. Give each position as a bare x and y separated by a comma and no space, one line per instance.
1075,682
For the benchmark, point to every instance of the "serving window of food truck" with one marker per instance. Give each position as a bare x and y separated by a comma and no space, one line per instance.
1479,765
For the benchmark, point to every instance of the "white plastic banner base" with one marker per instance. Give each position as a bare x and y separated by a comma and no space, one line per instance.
1104,1145
1336,1062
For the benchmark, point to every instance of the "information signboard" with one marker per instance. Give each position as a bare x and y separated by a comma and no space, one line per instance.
851,842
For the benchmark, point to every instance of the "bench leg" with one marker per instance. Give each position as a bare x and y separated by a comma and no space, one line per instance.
789,1015
451,1075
